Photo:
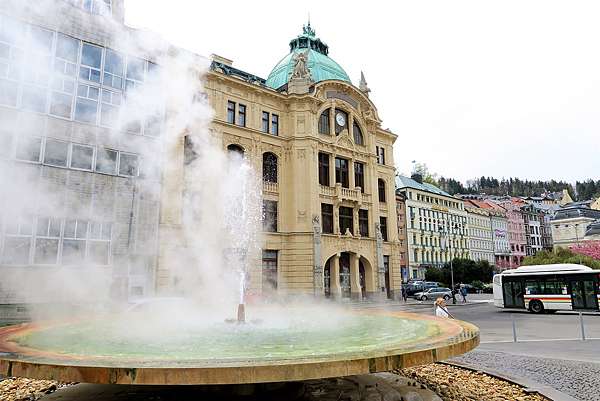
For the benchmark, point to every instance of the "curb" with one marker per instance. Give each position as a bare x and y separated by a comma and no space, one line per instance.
529,386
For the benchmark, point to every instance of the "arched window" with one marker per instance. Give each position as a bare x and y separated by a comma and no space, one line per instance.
235,148
358,136
324,123
381,189
269,167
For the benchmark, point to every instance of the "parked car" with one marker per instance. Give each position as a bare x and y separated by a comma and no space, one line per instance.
419,285
434,293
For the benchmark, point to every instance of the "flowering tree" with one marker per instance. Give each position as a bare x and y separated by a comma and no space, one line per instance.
587,248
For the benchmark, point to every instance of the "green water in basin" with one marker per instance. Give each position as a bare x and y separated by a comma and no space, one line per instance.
305,337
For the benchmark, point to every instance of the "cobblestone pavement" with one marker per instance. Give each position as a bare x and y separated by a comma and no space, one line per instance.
577,379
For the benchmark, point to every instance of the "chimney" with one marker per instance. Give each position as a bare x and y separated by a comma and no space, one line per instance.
417,177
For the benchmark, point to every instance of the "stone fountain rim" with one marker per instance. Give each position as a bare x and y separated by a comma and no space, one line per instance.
458,337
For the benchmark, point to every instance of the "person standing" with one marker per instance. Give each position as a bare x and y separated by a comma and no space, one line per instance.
404,293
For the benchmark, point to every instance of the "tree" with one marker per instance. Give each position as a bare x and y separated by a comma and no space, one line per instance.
428,177
561,255
588,248
465,271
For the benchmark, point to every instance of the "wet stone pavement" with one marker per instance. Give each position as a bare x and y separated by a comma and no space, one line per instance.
578,379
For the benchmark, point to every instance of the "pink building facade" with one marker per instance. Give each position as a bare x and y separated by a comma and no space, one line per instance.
516,231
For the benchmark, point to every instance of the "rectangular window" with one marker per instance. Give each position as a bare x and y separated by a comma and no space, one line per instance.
114,67
8,93
136,68
363,222
91,61
346,220
341,171
231,112
56,153
380,154
99,245
383,228
269,271
327,218
265,122
359,176
46,241
61,98
270,216
128,164
106,161
67,49
324,169
34,98
82,156
275,124
29,149
109,112
86,107
241,115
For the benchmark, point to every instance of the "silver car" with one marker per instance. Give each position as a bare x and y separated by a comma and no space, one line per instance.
434,293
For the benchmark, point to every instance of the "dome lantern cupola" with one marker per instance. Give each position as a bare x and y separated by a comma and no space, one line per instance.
308,40
320,65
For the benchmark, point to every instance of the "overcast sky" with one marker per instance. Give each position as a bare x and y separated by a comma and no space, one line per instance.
471,88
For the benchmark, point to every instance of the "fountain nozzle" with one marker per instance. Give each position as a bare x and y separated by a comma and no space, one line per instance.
241,313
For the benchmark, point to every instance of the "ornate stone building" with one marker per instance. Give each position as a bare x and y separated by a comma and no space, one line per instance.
328,173
481,243
436,225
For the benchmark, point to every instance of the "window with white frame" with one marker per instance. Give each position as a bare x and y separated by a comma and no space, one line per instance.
17,242
86,107
114,69
109,112
82,157
91,62
128,164
47,240
56,153
106,161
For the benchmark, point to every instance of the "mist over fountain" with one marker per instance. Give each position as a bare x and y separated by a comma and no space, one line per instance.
211,238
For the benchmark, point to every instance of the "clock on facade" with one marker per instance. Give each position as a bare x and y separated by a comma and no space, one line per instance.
340,119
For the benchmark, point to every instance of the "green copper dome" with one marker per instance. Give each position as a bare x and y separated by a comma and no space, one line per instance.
321,67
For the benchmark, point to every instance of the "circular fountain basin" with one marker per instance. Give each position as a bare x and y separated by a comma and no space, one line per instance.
95,351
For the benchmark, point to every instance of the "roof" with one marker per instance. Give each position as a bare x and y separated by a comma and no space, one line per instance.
554,268
593,228
573,211
406,182
320,65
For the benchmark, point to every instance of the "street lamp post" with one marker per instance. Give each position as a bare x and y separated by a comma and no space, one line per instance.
444,232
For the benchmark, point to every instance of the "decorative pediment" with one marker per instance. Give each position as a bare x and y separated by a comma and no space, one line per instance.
344,140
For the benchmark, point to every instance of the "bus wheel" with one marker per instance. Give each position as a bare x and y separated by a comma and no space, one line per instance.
536,306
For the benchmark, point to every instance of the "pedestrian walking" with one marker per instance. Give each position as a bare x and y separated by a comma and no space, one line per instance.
441,309
463,293
404,294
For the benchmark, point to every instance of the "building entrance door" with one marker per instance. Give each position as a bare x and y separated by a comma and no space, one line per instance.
361,279
583,294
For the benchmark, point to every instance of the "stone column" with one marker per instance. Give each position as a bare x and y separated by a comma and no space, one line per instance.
351,181
332,171
356,221
355,290
332,120
334,271
317,265
336,218
380,289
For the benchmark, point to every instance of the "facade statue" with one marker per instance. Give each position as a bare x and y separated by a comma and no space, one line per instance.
301,66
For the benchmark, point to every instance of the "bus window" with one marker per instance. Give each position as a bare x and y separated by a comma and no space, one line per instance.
532,287
553,287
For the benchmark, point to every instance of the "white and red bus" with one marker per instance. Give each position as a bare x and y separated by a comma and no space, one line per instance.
548,288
